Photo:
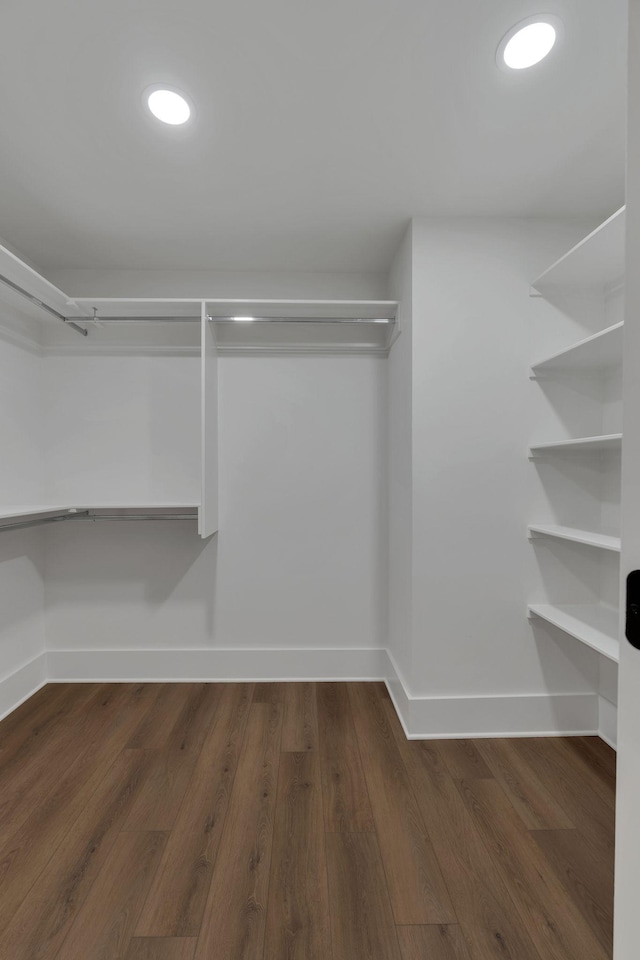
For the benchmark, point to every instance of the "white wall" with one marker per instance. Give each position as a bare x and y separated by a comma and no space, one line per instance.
472,343
220,283
121,428
22,640
299,561
473,489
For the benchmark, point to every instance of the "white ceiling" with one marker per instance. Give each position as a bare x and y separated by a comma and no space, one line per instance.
321,127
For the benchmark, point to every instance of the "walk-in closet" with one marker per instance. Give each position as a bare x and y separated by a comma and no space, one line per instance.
319,475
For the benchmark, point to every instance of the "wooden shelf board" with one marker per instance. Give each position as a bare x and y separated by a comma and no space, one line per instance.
587,537
608,442
596,261
597,353
595,625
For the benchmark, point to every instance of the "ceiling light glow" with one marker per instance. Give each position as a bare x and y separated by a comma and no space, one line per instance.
167,105
244,319
528,42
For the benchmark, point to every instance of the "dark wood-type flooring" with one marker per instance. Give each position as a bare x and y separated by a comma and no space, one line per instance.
292,822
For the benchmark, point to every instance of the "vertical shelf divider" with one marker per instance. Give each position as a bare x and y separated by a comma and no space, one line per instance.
208,513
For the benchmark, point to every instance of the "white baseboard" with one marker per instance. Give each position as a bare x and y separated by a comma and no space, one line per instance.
421,717
608,726
220,665
22,684
441,718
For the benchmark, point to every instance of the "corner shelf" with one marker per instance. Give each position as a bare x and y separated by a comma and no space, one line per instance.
611,442
596,262
594,355
595,625
585,537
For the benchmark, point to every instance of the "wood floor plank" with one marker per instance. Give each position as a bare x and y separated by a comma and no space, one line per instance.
300,724
74,748
154,948
527,794
49,819
344,789
600,757
464,760
586,871
554,923
40,913
234,919
178,894
565,781
435,942
575,753
26,752
481,899
270,692
362,923
159,801
33,720
154,729
298,926
104,925
416,885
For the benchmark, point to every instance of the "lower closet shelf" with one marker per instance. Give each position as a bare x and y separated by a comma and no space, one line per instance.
595,625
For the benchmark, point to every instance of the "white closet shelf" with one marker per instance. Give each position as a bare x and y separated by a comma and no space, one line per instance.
596,262
608,442
15,516
595,625
595,354
258,325
318,310
587,537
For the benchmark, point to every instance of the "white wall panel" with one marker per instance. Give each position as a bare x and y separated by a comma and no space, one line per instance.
299,559
122,429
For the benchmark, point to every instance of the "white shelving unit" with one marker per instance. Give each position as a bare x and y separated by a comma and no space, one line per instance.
595,625
596,262
593,355
611,442
579,389
585,537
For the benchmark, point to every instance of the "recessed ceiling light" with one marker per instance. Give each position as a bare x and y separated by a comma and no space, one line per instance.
169,106
529,42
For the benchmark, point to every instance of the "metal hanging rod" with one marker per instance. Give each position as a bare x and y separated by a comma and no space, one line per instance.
70,321
239,320
98,518
21,524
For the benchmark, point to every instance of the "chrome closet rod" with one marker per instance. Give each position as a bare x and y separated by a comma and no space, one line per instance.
44,306
99,319
135,516
21,524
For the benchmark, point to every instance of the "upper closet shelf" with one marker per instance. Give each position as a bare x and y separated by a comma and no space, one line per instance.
277,326
596,262
596,354
30,294
610,442
586,537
